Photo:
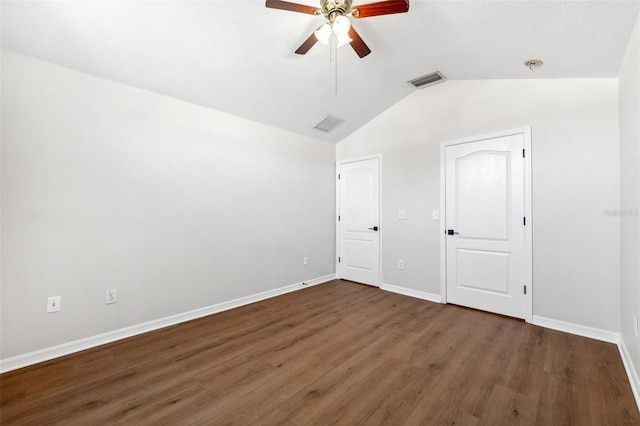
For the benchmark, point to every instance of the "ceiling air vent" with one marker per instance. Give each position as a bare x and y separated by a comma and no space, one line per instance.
428,80
329,124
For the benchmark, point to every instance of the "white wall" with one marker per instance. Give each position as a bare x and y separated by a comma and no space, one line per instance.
575,179
175,205
179,207
630,196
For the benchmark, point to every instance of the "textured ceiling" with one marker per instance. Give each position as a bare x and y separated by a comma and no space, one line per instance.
237,56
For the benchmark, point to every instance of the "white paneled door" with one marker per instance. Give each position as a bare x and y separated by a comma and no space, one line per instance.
487,257
359,221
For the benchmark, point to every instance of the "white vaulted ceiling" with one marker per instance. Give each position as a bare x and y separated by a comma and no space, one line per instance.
237,56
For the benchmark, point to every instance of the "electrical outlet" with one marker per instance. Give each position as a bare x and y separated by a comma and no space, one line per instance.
635,325
402,214
53,304
112,296
305,261
400,264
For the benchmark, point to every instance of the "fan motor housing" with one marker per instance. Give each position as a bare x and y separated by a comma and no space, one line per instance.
335,7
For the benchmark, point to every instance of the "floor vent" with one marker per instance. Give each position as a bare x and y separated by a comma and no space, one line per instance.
428,80
329,123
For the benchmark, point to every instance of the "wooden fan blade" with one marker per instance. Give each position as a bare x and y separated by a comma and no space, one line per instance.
292,7
358,44
380,8
308,44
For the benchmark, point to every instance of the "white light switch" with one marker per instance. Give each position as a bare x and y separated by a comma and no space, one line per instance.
435,214
53,304
402,214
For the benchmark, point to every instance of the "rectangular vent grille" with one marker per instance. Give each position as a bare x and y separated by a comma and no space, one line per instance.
428,80
329,124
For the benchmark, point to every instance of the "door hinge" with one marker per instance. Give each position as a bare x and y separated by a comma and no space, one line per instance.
525,289
338,218
338,260
524,221
338,175
523,153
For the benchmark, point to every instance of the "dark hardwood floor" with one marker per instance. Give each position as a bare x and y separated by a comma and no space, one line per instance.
337,353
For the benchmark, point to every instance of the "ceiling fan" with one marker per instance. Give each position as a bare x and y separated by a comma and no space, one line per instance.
336,13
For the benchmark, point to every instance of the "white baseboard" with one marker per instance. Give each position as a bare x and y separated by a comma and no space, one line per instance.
52,352
577,329
631,371
411,292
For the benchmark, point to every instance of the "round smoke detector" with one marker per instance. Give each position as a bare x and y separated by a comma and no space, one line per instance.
533,63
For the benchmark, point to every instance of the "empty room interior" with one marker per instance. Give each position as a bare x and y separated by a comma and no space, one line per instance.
333,212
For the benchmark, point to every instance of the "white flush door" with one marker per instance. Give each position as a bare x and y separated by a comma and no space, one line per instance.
359,221
486,253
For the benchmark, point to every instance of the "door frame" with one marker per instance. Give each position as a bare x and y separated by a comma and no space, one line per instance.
380,225
526,133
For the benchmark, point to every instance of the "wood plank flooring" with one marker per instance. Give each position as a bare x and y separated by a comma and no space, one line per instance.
336,353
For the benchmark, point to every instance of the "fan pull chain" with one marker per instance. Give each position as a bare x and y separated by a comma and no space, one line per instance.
333,51
333,57
336,65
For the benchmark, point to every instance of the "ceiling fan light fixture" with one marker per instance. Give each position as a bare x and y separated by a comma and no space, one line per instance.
323,34
337,14
341,25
